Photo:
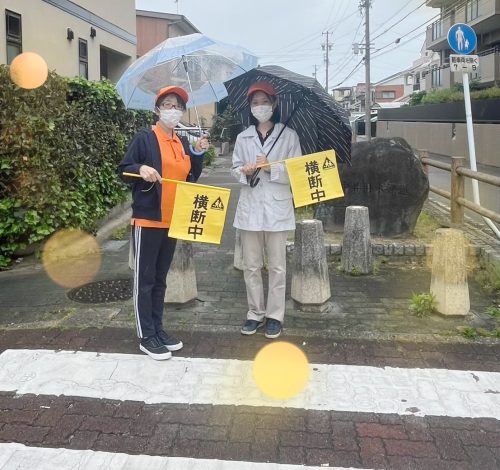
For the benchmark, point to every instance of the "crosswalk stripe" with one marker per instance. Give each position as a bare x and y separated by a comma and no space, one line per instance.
421,392
19,456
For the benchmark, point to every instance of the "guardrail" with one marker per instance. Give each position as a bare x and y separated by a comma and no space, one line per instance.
458,171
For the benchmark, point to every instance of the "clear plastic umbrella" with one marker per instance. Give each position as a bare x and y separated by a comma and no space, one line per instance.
194,62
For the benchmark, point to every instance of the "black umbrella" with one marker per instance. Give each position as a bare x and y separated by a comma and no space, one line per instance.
319,121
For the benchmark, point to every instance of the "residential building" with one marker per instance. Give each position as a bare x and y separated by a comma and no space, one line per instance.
416,74
389,91
342,96
88,38
154,27
484,17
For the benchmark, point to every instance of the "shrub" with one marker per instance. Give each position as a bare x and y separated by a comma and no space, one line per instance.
416,98
228,122
60,147
456,93
209,156
422,305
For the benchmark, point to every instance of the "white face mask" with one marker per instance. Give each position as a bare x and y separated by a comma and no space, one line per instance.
170,117
262,113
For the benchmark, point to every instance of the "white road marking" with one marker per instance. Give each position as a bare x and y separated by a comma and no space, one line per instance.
20,457
421,392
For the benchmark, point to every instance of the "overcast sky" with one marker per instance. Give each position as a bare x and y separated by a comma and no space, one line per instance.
289,32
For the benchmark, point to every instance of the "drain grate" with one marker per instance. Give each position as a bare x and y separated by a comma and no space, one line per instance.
102,291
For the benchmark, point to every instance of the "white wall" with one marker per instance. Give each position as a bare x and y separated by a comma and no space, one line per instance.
44,32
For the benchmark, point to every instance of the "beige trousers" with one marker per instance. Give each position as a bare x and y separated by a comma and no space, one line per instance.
253,246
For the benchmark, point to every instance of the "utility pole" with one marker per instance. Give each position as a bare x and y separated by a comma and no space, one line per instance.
315,73
368,92
327,48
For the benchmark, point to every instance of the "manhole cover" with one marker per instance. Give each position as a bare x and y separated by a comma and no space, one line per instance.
102,291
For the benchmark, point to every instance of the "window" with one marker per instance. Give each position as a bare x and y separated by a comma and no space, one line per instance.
471,10
437,29
389,94
14,35
436,78
83,58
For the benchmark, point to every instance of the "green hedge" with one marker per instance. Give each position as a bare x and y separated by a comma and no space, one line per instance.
454,93
60,145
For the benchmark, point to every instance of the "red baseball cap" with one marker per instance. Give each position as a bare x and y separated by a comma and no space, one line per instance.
266,87
173,89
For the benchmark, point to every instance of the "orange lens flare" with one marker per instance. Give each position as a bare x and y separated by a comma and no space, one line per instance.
71,258
28,70
281,370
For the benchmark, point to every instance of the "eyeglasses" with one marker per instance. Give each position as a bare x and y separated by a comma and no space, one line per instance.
168,105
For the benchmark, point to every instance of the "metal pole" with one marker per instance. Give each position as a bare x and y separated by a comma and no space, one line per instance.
327,59
472,148
368,93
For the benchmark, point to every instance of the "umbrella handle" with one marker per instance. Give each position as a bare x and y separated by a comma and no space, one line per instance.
254,181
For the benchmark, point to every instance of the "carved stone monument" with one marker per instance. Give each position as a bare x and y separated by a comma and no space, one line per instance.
385,176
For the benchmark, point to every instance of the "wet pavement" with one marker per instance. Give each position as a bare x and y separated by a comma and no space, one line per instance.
388,389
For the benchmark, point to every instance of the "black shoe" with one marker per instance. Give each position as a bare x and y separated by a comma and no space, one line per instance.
170,342
273,328
251,326
154,348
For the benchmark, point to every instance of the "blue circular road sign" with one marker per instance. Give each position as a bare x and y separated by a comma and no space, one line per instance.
462,38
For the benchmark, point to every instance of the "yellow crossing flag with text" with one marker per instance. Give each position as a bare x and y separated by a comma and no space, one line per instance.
199,212
314,178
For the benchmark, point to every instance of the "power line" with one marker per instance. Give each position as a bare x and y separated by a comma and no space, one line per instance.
397,13
399,21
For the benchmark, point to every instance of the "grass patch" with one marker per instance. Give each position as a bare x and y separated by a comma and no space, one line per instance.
426,226
304,213
493,311
468,332
121,233
422,305
488,277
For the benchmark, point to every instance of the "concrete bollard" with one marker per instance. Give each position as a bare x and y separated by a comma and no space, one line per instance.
131,253
224,148
310,279
181,277
356,245
238,252
449,272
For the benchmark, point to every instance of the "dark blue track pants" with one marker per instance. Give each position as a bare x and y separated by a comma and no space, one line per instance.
153,253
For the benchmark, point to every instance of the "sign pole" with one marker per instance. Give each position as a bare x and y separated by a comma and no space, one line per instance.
463,40
470,134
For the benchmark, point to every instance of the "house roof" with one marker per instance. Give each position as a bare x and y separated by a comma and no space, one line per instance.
181,20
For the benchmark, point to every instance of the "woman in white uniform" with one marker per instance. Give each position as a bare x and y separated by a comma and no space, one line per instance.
265,212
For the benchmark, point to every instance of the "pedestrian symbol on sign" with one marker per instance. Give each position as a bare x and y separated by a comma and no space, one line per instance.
462,38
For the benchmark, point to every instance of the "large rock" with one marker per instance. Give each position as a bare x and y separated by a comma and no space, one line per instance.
385,176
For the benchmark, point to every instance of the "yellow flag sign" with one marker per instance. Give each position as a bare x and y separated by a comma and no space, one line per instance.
314,178
199,212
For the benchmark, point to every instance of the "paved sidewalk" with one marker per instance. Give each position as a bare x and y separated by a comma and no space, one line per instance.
374,306
387,390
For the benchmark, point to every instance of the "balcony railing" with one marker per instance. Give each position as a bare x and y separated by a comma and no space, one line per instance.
438,30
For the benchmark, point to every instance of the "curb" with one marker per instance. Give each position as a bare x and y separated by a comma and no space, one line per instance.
118,216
